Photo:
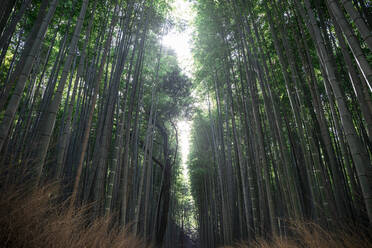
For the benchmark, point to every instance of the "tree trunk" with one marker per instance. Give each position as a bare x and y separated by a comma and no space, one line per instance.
26,69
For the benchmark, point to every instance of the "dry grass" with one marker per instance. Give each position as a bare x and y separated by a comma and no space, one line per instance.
31,218
310,235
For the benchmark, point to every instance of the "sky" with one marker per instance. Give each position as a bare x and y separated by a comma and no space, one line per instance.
180,42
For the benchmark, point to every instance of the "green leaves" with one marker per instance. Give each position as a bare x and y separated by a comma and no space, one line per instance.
67,4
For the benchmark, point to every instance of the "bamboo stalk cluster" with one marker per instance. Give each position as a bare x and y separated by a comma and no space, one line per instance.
287,135
87,100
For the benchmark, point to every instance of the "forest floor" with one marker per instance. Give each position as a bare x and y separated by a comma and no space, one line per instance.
35,218
312,235
32,218
187,242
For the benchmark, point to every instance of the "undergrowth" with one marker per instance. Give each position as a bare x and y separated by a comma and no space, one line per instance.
311,235
33,218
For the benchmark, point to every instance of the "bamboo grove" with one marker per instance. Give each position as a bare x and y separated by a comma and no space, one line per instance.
89,98
285,129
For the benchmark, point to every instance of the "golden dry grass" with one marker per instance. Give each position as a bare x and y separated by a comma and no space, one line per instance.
31,218
311,235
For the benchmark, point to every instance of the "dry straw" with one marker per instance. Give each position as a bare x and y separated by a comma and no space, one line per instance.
311,235
32,218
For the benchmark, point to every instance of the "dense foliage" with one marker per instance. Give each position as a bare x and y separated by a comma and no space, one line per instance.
285,130
89,97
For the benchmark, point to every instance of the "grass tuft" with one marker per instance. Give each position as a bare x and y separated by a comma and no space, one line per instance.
311,235
32,218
